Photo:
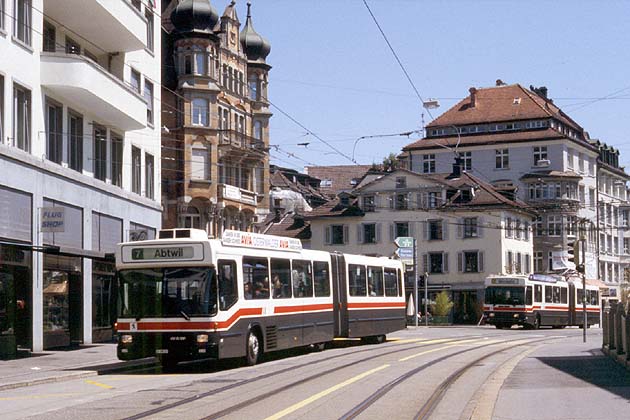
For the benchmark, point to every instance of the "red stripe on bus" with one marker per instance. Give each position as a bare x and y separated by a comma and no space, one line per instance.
363,305
302,308
184,325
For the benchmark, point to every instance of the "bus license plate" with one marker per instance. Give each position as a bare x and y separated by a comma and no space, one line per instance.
161,351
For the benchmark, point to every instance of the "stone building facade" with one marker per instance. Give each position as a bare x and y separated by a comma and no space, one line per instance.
216,119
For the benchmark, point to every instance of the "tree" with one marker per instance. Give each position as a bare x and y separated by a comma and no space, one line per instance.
442,305
390,162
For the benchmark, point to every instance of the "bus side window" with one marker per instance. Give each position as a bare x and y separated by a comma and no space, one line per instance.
528,295
563,295
375,281
548,297
580,297
399,280
280,278
391,282
356,280
537,293
255,278
228,294
595,300
322,278
556,294
302,278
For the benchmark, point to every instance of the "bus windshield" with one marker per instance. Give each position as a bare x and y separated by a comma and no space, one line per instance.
168,292
505,295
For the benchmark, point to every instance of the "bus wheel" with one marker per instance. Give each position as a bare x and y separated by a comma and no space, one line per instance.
537,322
253,350
317,347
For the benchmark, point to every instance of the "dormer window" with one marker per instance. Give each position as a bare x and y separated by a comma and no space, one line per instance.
344,201
401,182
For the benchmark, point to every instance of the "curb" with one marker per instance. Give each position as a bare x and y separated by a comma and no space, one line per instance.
62,376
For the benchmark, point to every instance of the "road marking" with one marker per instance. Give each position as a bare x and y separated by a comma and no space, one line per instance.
490,391
37,397
458,343
99,384
322,394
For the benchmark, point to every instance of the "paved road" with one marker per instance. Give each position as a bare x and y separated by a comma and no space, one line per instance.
437,373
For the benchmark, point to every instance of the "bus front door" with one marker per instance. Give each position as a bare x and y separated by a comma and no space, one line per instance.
340,297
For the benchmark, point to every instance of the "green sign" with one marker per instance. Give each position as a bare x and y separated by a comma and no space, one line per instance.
404,242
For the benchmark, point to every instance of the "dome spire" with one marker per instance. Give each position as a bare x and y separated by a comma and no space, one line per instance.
254,45
194,16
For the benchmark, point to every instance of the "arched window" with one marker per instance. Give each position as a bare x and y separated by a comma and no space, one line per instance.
190,219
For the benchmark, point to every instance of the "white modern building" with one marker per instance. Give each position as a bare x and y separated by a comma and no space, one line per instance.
79,155
465,230
518,140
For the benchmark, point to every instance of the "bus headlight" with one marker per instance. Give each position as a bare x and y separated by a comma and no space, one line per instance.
202,338
126,338
515,315
491,315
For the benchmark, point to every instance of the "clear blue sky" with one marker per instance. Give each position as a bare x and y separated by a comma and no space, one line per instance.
333,72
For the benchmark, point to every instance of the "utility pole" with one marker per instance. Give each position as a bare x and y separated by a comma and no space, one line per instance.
415,280
583,252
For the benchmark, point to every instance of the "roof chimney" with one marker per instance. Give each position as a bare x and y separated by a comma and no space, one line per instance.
473,97
457,169
500,82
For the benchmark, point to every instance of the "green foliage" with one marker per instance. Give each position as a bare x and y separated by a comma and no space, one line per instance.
442,305
390,162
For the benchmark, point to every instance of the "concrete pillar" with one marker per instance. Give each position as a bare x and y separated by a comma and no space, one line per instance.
87,277
38,278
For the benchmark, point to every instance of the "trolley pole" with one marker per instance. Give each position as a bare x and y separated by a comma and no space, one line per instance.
415,281
583,252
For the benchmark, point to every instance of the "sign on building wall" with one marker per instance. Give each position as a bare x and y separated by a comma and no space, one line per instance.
231,192
560,260
53,219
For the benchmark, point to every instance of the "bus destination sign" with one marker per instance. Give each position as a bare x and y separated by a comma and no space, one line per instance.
170,253
254,240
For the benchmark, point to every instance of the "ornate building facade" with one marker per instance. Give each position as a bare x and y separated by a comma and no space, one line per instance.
215,137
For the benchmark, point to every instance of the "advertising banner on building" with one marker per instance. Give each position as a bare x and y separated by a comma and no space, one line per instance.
560,260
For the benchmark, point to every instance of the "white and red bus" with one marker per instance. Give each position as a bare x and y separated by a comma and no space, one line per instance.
538,300
184,296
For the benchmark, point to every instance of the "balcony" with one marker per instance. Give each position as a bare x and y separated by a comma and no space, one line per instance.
113,25
239,195
87,86
234,143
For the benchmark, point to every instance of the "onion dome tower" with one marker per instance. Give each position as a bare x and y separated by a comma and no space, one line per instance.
194,17
255,47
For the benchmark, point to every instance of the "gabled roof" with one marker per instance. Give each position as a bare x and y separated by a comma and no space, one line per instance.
550,174
290,225
502,103
333,208
341,176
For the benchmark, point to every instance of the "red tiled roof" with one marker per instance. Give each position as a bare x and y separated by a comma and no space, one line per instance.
290,226
341,176
498,103
334,208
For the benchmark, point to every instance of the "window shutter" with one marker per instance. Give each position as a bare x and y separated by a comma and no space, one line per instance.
392,231
412,229
445,226
346,234
360,234
505,227
480,227
425,230
508,268
528,264
460,262
392,199
378,232
460,229
480,261
377,202
445,262
419,203
327,235
425,263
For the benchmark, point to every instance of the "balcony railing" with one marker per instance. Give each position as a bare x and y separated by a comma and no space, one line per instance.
241,141
113,25
234,193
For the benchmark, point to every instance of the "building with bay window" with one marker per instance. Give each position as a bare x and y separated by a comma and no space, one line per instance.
79,141
465,230
216,119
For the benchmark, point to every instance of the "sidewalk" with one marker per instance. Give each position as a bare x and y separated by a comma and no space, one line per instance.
63,365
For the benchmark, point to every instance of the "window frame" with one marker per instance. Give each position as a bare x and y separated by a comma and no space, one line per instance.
502,158
357,280
225,305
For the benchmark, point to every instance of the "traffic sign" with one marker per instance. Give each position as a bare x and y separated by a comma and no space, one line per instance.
404,242
405,255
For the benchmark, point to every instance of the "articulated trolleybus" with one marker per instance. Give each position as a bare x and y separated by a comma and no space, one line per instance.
538,300
185,297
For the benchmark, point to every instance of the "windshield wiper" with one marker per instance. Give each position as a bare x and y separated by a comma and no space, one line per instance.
185,315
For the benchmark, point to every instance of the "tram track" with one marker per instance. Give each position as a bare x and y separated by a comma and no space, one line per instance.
228,410
436,397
